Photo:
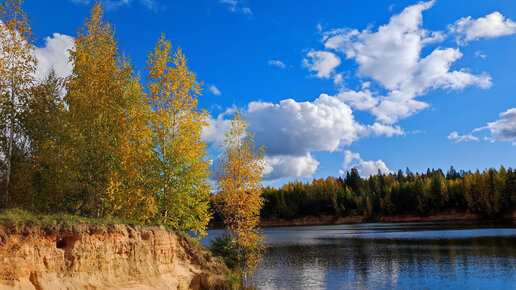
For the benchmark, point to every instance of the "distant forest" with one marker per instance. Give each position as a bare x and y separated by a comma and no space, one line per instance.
490,193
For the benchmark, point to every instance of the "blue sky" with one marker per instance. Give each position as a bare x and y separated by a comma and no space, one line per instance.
328,85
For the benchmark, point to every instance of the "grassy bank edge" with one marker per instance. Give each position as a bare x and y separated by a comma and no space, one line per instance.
18,220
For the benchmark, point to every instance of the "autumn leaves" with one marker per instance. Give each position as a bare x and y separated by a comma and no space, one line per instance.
102,144
239,200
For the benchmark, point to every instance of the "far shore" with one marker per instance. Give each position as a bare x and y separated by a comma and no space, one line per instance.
354,219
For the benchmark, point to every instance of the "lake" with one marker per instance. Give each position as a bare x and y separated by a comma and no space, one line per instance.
430,255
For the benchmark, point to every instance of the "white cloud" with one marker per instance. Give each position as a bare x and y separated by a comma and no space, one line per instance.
338,79
292,166
319,27
360,100
237,6
217,127
246,11
382,129
322,62
364,168
349,157
115,4
461,138
277,63
368,168
480,54
392,57
503,129
214,90
296,128
291,130
490,26
54,55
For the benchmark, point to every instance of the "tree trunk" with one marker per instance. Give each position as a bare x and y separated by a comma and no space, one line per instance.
10,148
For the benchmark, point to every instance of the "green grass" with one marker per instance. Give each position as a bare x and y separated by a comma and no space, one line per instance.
20,218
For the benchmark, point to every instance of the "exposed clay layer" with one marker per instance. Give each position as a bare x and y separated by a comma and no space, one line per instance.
105,257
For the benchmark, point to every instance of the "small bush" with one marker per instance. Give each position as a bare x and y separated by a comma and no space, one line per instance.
224,247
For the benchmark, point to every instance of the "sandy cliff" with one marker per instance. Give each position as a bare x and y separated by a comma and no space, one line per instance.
104,257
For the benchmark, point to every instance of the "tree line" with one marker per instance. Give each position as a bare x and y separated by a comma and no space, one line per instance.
490,193
99,143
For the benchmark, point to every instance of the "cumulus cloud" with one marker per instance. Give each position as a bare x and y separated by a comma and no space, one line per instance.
503,129
214,90
277,63
461,138
360,100
292,166
237,6
54,55
277,165
296,128
364,168
392,57
217,127
291,130
490,26
379,129
321,62
338,79
349,157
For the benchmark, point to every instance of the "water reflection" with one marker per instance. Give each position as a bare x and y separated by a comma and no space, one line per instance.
379,256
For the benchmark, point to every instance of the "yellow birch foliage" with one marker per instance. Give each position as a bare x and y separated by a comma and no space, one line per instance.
179,171
239,179
17,64
107,129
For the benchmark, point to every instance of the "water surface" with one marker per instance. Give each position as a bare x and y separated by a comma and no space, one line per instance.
442,255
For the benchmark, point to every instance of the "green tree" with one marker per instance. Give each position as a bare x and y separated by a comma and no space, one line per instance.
17,65
106,128
43,124
179,172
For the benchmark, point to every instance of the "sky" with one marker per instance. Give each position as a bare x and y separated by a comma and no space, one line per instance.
326,86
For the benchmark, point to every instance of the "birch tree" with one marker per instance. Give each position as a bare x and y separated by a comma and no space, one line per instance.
17,65
239,179
179,171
